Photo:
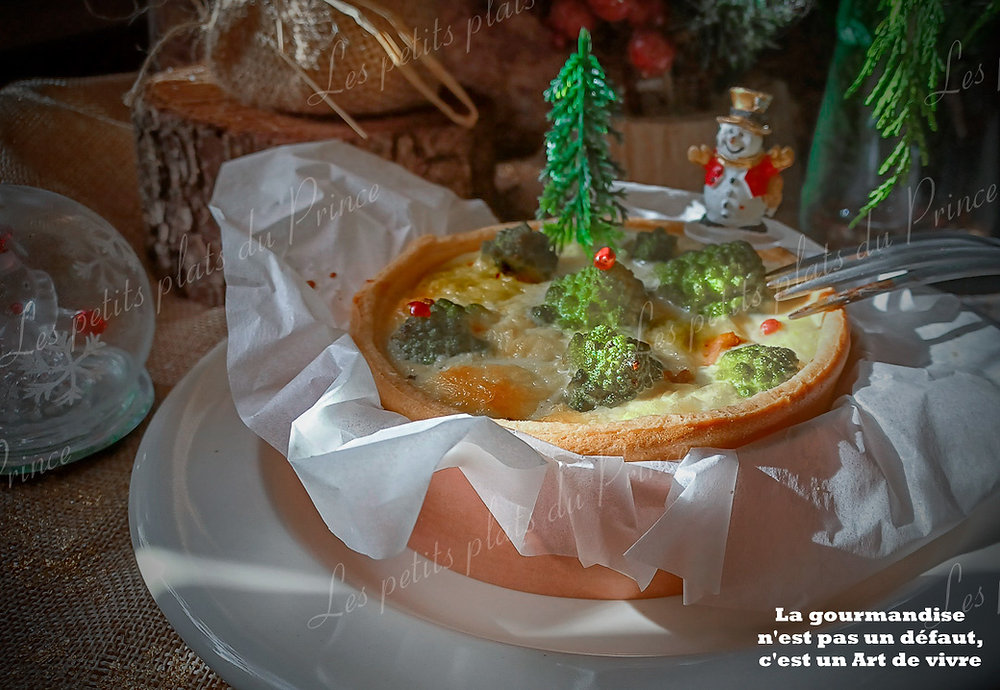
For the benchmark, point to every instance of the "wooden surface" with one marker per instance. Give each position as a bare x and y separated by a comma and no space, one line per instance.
187,126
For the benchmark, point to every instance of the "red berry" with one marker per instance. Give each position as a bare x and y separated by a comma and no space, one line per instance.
604,259
420,307
770,326
89,322
5,239
16,308
650,52
647,13
567,17
611,10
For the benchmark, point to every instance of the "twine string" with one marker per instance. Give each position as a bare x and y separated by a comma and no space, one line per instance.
393,50
202,23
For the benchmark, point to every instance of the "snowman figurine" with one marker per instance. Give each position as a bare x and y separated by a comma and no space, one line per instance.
742,181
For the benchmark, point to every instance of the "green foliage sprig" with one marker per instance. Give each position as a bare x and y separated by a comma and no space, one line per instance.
579,171
906,44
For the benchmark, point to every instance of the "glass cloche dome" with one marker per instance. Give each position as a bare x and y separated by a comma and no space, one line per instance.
76,326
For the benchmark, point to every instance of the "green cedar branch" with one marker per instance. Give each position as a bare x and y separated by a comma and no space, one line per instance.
907,44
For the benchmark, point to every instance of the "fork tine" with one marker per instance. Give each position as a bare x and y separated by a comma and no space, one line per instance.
985,264
842,299
836,263
903,261
799,270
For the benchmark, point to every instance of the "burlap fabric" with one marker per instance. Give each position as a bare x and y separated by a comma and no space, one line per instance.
75,612
325,51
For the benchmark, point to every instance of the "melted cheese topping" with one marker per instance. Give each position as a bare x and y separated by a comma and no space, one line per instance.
526,361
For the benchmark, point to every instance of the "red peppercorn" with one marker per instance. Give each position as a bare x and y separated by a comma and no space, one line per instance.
604,259
770,326
420,307
16,308
5,239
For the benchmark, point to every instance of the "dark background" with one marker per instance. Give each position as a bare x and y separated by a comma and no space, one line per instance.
70,38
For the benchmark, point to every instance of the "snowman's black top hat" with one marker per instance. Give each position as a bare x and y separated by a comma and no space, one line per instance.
748,108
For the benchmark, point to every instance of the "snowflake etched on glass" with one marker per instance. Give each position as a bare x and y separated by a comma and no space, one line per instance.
76,325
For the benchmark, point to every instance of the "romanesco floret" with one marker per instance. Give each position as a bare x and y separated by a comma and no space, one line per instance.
449,329
523,253
657,245
719,280
755,368
591,296
610,369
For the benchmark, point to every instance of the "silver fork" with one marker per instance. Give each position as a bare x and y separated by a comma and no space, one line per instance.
922,259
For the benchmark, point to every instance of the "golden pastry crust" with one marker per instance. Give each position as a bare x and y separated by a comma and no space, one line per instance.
664,436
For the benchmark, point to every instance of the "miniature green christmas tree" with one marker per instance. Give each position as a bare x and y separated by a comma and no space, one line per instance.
579,170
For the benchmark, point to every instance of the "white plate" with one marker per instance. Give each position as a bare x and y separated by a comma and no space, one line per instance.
238,560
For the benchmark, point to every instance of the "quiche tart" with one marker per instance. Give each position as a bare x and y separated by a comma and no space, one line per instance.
514,370
519,376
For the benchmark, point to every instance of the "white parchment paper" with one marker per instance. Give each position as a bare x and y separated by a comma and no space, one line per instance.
907,453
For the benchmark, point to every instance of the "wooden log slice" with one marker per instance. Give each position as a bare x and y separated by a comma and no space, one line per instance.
187,127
